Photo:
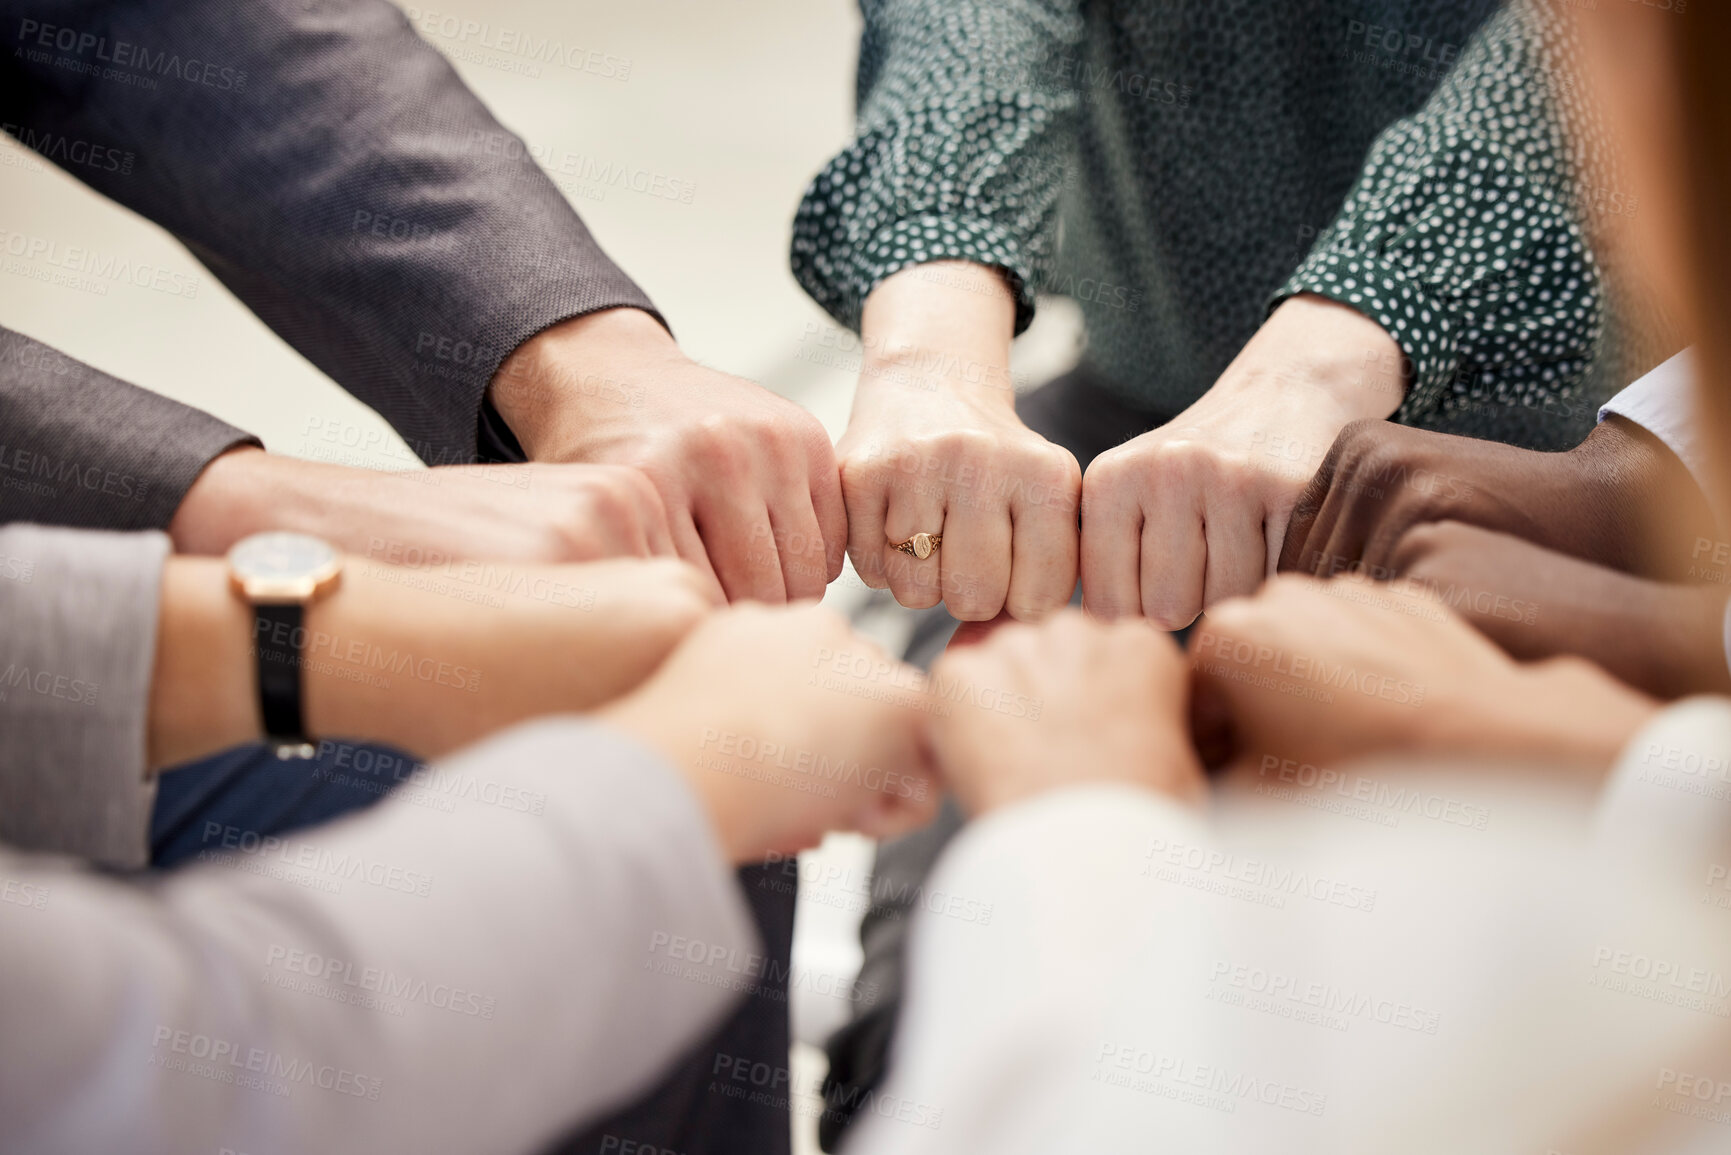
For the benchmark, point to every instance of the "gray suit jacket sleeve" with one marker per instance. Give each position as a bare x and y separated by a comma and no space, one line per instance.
78,615
81,448
408,979
332,170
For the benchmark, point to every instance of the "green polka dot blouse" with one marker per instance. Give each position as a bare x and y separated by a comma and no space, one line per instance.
1178,166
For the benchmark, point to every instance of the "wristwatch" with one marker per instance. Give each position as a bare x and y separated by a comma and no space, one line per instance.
280,574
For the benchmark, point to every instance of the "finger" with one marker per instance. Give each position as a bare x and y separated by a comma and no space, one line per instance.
914,507
865,496
973,633
831,512
1235,549
1305,522
688,543
800,543
741,543
657,531
1174,560
1360,509
974,560
1043,552
1111,549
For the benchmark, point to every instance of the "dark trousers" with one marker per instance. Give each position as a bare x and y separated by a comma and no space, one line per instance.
250,791
1077,412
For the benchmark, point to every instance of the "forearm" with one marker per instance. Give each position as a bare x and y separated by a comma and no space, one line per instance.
1326,357
602,354
405,255
87,450
943,326
498,929
994,109
387,657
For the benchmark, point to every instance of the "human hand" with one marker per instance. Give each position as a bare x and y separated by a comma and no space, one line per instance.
744,709
1660,637
1598,501
1195,511
524,513
934,446
748,479
1112,709
1328,671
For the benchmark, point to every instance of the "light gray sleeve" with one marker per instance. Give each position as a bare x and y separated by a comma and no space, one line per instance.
485,959
78,616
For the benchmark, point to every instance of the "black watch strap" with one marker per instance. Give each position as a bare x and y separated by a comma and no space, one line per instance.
278,639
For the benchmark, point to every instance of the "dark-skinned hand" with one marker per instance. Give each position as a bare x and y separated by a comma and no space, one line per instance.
1619,499
1661,637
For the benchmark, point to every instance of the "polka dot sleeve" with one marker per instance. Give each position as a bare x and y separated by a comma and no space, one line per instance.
966,120
1461,237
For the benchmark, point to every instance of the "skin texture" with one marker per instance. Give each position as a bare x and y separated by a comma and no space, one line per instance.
487,647
754,709
934,445
747,479
1329,671
1112,700
528,513
1194,512
536,657
1602,501
1661,637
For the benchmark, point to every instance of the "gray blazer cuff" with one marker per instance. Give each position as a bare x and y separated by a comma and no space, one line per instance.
78,614
83,449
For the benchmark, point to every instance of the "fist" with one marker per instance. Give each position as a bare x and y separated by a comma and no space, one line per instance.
1109,707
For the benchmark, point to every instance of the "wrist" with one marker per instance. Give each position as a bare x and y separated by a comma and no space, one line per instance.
248,491
1569,712
202,696
636,716
1650,512
1345,360
946,325
537,384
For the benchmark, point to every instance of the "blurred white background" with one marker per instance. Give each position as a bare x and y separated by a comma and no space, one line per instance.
743,102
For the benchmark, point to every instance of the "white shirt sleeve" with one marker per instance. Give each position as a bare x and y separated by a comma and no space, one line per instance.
486,958
1663,403
1345,972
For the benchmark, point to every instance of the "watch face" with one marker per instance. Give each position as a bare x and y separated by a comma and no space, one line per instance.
286,567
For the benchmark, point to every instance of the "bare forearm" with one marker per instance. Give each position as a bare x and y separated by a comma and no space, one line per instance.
410,659
943,325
